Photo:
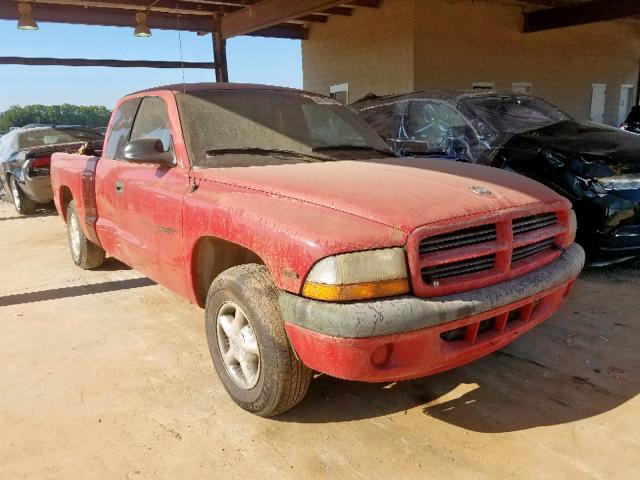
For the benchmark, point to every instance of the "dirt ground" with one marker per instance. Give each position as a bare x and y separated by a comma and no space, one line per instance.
105,375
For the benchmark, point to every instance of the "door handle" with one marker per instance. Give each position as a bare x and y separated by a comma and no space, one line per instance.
119,187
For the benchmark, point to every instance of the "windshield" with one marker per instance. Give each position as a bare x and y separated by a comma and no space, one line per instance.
56,136
512,114
269,120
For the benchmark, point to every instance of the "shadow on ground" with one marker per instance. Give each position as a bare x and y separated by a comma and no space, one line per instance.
581,363
77,291
40,213
112,265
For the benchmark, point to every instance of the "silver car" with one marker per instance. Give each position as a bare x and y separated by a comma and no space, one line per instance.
25,160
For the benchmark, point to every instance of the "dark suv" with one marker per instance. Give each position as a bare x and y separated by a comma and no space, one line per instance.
632,123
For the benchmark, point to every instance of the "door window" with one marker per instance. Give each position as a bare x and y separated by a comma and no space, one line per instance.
152,121
121,129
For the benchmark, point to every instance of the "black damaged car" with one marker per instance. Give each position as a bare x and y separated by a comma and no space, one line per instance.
632,123
595,166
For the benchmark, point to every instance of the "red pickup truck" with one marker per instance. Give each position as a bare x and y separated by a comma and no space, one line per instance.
310,246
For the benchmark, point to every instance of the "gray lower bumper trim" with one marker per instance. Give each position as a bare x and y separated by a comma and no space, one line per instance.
404,314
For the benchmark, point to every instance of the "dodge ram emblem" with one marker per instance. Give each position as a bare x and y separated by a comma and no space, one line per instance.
478,190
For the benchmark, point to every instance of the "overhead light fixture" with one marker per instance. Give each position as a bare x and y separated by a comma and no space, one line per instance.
142,29
25,20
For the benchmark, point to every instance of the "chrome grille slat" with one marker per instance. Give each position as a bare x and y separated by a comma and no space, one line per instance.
521,253
458,238
462,267
535,222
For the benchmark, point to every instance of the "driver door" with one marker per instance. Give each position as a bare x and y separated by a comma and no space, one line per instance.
152,198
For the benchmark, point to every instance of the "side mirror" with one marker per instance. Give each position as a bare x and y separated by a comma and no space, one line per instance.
148,150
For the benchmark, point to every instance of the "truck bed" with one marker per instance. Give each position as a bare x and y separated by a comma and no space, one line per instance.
75,175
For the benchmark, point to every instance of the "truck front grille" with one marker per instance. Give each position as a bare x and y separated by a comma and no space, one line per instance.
445,260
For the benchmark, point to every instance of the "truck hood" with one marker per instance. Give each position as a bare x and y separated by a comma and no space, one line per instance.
401,193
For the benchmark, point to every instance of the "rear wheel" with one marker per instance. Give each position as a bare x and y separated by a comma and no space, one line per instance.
248,343
24,205
85,254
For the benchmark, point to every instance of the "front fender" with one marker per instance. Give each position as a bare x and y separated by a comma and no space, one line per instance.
289,235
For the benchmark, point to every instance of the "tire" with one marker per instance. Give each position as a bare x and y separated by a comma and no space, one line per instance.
277,380
84,253
24,205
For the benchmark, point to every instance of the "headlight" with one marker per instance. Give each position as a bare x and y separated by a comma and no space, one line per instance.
573,227
358,276
624,182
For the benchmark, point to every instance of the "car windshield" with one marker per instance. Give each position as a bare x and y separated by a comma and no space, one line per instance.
237,121
56,136
512,114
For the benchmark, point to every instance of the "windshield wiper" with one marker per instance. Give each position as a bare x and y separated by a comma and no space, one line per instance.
326,148
262,151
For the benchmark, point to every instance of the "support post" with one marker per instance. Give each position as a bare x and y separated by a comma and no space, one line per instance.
220,52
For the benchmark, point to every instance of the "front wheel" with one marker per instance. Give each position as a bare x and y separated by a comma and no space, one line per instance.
24,205
84,253
248,343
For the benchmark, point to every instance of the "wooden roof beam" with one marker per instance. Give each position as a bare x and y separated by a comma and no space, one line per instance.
122,18
267,13
343,11
579,14
84,62
164,6
364,3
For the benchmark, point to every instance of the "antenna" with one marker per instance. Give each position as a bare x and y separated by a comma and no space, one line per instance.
184,83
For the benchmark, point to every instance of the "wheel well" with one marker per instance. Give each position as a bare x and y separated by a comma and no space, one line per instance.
65,200
212,257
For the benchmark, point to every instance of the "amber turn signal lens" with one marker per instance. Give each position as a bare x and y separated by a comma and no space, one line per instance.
357,291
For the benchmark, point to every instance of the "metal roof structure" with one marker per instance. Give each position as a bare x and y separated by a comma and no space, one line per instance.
268,18
222,18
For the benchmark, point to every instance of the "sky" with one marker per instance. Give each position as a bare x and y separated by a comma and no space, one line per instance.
251,59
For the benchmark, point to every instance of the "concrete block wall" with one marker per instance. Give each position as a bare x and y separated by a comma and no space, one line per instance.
371,50
409,45
458,43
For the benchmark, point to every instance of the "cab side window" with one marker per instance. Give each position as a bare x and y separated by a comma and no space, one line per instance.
152,121
121,129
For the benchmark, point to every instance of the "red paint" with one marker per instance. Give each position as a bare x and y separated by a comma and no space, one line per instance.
422,352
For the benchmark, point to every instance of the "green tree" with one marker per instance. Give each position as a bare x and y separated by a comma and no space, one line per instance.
91,116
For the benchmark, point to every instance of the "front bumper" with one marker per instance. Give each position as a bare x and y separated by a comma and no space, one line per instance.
622,241
409,337
609,226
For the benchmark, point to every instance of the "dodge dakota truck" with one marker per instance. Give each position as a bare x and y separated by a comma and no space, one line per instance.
310,246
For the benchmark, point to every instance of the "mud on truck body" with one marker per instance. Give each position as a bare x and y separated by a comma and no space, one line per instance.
309,244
